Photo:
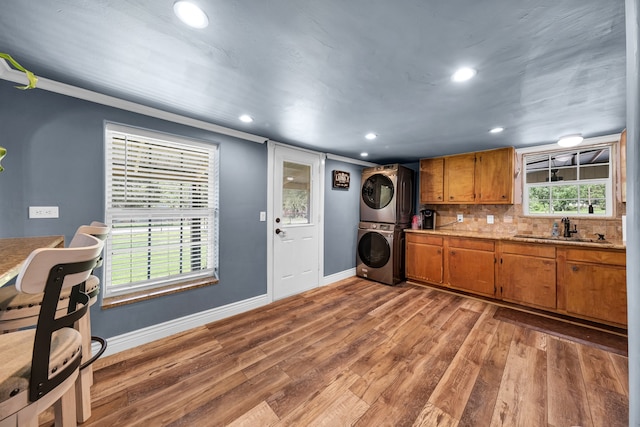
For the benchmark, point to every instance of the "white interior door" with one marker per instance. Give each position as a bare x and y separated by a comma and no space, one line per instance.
296,221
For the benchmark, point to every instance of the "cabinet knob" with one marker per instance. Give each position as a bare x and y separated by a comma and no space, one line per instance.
574,268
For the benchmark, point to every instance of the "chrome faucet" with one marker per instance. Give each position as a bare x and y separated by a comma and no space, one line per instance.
567,227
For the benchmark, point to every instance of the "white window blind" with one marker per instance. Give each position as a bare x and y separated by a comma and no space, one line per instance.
162,205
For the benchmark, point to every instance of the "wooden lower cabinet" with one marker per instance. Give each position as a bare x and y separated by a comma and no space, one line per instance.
423,260
527,274
592,284
586,283
470,265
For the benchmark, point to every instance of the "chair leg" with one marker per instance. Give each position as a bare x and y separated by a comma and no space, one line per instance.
85,377
65,410
10,421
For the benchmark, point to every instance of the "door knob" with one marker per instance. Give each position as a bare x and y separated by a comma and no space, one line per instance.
278,231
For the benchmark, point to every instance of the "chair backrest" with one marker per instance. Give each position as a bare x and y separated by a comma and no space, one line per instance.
49,270
95,229
36,268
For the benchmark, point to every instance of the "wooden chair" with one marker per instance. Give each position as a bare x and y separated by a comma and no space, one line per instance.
20,310
40,366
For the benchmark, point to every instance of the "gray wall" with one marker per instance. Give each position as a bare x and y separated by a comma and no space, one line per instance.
341,215
56,157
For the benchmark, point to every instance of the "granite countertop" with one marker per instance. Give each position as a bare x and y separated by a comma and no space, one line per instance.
573,241
14,251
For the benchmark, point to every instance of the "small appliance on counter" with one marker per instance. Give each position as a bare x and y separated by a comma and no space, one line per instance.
428,219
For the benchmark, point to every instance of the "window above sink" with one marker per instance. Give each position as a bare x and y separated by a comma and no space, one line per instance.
569,182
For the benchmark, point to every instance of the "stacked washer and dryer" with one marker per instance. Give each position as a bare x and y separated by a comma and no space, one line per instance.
386,209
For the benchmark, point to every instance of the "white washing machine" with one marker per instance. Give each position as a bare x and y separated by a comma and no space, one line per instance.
387,194
380,252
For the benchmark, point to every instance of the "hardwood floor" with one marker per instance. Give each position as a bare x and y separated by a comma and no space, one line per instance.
364,354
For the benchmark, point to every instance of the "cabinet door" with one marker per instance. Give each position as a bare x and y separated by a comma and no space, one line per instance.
494,176
459,178
596,291
432,180
528,280
471,270
424,262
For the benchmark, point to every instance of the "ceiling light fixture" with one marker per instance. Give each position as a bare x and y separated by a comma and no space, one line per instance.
570,140
371,136
364,154
463,74
190,14
496,130
246,118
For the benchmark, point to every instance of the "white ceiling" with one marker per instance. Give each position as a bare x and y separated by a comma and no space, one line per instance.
321,74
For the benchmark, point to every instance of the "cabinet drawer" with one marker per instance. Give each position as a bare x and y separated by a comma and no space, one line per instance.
596,256
425,239
479,245
544,251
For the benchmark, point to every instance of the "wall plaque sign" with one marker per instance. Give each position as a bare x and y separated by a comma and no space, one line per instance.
341,179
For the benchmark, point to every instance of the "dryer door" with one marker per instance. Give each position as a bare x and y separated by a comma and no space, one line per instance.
377,203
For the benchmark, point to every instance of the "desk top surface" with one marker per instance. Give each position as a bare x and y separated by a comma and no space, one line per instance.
14,251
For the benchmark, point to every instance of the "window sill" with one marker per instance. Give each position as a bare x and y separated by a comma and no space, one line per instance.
148,294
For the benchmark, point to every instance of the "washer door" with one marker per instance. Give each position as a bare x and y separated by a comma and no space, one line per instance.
374,249
377,191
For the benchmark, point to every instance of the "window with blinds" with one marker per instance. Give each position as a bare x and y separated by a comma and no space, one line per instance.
162,206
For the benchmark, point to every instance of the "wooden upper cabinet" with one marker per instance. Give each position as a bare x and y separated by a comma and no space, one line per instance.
494,176
459,178
432,180
485,177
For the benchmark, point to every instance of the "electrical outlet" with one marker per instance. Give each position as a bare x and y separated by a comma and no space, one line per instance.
489,219
43,212
460,218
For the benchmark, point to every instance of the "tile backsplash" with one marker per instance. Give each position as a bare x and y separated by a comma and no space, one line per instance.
508,219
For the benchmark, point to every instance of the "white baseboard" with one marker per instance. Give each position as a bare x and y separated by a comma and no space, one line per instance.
327,280
162,330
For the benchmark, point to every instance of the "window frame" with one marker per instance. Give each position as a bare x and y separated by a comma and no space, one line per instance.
209,212
554,149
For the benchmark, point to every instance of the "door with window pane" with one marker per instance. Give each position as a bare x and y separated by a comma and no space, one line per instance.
296,246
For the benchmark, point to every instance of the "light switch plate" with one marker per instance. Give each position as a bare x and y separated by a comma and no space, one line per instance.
43,212
489,219
263,216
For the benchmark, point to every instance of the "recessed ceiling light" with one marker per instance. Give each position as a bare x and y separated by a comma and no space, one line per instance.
246,118
371,136
364,154
463,74
496,130
570,140
190,14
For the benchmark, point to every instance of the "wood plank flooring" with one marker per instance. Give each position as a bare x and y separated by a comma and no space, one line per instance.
358,353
